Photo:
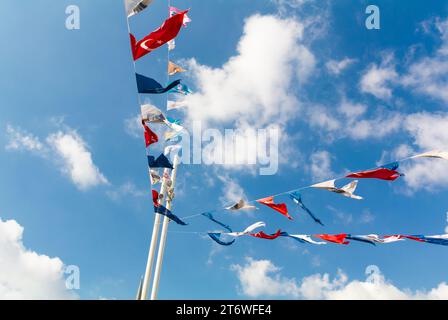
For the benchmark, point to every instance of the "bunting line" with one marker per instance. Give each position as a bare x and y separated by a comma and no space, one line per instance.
432,154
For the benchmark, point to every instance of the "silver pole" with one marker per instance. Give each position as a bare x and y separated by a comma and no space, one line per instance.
152,247
166,220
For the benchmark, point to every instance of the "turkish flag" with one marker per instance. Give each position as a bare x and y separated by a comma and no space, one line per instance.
336,238
380,173
280,207
263,235
150,136
166,32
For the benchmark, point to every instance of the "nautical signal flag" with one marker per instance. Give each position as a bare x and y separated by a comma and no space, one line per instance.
388,172
279,207
336,238
161,162
166,32
263,235
174,11
151,86
174,68
150,136
297,198
136,6
347,190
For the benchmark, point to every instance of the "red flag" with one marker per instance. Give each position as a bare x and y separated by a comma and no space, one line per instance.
280,207
150,136
166,32
380,173
263,235
155,198
415,238
336,238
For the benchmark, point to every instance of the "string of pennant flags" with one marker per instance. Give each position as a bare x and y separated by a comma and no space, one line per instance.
151,115
386,172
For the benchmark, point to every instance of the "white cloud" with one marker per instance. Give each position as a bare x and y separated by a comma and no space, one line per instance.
25,274
320,166
347,121
76,159
352,111
66,148
262,278
321,118
126,189
251,87
291,3
377,127
428,131
133,126
377,79
256,280
231,189
19,139
336,67
428,75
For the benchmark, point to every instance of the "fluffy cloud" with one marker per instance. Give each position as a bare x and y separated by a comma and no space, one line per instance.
76,159
336,67
348,121
428,132
25,274
320,166
19,139
256,280
251,87
428,75
126,189
261,278
377,79
252,91
231,191
133,126
66,148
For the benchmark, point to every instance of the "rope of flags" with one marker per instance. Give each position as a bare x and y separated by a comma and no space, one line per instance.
386,172
151,115
228,238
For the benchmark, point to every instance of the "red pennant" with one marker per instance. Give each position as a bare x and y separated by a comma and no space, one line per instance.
166,32
336,238
380,173
150,136
155,198
412,238
263,235
280,207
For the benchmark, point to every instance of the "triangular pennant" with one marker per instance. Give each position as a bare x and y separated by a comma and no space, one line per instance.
161,162
297,198
174,68
279,207
150,136
147,85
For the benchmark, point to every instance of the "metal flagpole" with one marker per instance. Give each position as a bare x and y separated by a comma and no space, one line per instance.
139,290
152,247
166,220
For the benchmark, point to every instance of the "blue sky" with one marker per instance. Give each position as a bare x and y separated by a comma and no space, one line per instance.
344,97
